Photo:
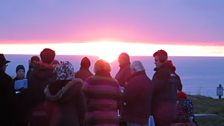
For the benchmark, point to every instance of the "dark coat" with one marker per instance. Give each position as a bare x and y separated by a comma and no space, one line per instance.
39,78
66,103
123,74
7,99
137,99
83,74
164,96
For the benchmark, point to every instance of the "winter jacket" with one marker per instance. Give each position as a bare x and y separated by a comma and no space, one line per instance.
137,99
7,99
164,96
39,78
123,74
103,96
66,103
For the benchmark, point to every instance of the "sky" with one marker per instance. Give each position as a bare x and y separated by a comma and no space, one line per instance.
172,22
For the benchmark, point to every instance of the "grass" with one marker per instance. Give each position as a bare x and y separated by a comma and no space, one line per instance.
207,105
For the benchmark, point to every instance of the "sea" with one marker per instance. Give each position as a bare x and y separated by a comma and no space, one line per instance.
199,75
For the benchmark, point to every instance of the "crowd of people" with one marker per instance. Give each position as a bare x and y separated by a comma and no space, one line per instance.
53,94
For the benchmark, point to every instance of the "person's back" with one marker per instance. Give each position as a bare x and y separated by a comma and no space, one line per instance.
42,75
137,96
39,78
84,71
66,103
102,95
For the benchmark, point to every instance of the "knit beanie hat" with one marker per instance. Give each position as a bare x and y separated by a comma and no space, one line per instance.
47,55
64,71
181,95
20,67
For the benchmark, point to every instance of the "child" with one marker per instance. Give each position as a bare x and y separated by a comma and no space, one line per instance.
185,110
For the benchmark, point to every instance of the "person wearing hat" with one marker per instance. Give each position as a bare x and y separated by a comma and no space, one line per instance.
65,98
20,87
84,71
185,113
20,72
6,94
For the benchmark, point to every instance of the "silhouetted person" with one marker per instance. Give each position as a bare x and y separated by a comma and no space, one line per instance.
84,71
39,78
34,60
20,85
66,102
124,71
102,96
137,97
164,91
6,95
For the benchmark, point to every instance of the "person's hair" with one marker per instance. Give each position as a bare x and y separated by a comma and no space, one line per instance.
162,54
85,62
102,65
47,55
137,66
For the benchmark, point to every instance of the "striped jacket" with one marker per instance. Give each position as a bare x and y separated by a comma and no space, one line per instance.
103,98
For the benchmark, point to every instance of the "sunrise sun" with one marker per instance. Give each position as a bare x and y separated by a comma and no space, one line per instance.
110,50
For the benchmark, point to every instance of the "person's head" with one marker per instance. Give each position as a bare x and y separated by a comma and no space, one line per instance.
123,59
20,72
47,55
137,66
34,59
85,63
102,66
3,62
160,57
64,71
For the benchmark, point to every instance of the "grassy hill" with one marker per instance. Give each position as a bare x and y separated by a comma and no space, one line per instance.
207,105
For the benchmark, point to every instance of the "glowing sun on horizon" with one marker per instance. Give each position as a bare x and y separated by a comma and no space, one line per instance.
110,50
